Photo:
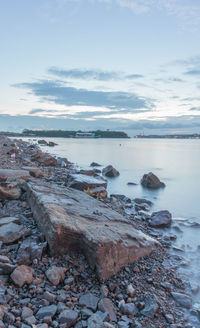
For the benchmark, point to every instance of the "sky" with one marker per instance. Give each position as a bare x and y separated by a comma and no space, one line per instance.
131,65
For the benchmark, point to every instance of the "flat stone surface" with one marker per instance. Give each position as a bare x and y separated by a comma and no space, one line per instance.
6,174
89,300
83,182
72,220
9,219
183,300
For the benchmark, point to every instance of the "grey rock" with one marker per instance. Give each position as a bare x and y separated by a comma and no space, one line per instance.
89,300
46,311
151,181
93,164
68,317
110,171
26,312
106,305
86,313
7,268
9,219
160,219
83,182
11,232
55,274
184,300
97,320
30,320
151,307
130,290
30,250
73,221
129,309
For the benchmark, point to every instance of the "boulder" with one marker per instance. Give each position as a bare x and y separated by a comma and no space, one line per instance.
151,181
52,144
42,142
73,221
160,219
110,171
93,164
11,232
22,275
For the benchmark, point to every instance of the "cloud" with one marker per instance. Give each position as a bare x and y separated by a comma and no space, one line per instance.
134,76
91,74
84,74
56,92
195,108
169,123
193,72
187,10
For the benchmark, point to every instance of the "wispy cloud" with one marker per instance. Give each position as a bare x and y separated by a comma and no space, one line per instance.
184,9
92,74
58,93
193,72
84,74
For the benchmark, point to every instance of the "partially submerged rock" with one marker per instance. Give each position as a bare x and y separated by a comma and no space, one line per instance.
151,181
110,171
93,164
73,221
161,219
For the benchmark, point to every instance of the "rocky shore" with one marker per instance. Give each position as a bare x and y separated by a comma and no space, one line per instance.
70,260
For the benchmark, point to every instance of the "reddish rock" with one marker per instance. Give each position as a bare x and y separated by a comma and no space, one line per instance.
73,221
22,275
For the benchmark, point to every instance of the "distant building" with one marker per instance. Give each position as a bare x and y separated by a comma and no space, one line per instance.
85,135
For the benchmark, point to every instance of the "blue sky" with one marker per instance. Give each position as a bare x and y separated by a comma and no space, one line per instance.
132,65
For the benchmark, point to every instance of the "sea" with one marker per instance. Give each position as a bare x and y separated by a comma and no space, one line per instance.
175,161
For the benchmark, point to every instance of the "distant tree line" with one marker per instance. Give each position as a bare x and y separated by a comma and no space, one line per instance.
71,134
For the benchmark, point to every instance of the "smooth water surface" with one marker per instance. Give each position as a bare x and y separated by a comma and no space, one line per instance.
175,162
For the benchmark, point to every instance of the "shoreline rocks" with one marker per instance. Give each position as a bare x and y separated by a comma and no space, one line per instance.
44,304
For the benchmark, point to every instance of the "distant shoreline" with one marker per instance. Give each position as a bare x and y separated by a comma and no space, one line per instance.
67,134
169,136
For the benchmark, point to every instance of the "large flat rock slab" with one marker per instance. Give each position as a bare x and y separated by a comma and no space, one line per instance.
73,221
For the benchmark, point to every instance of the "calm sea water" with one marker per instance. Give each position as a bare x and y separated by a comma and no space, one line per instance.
175,162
